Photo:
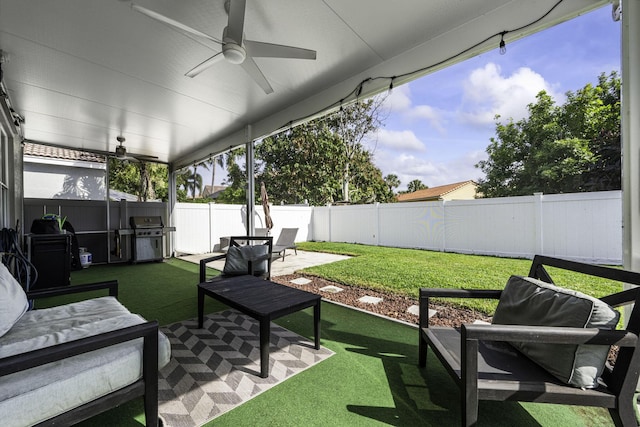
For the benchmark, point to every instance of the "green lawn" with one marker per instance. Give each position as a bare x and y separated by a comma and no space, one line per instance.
404,271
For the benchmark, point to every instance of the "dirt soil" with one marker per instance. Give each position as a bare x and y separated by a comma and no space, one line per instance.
393,306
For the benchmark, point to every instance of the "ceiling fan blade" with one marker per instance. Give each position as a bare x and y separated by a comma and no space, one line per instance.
252,69
143,157
235,26
204,65
270,50
173,23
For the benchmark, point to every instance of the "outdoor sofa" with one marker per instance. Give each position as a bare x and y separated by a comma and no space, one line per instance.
62,365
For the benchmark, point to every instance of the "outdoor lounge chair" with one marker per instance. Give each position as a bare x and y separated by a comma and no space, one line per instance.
539,348
286,240
245,255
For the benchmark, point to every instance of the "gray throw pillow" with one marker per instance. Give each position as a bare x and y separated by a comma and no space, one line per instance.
238,257
527,301
13,300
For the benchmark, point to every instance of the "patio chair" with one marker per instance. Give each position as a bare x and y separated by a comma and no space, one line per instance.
245,255
286,240
546,344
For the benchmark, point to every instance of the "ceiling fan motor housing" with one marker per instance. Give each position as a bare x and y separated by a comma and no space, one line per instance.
234,53
121,151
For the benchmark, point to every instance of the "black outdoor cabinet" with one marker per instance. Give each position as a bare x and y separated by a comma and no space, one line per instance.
51,256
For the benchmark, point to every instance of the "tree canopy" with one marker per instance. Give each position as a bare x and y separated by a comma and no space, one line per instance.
146,180
574,147
322,161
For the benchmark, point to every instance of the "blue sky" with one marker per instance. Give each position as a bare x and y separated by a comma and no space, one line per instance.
439,126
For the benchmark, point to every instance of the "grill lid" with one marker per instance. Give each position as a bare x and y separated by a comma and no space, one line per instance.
138,222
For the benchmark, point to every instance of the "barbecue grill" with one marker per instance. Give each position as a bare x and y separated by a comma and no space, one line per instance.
146,244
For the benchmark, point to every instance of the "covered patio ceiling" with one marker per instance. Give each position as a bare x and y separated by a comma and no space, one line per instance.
82,72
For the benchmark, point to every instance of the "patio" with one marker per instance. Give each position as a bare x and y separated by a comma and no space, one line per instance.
80,76
290,265
373,379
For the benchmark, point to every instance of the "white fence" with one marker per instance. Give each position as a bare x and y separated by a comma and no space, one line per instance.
581,226
200,226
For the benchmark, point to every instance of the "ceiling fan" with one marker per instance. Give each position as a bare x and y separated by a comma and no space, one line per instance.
120,153
235,48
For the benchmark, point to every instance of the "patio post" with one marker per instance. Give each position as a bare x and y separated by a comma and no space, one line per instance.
250,184
630,124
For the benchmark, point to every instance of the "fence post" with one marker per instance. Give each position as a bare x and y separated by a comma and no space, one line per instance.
538,233
377,236
329,216
444,226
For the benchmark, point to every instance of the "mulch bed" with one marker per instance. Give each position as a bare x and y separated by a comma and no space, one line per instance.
393,306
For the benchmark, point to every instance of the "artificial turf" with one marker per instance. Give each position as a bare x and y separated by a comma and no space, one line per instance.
373,379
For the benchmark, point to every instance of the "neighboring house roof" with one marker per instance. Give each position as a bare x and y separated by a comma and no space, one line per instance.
217,189
39,150
440,192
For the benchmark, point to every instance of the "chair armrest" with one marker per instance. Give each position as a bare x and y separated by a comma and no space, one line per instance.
42,356
460,293
548,335
203,265
112,285
426,293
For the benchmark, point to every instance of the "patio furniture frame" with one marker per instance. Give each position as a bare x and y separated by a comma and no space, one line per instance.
146,386
484,372
264,301
286,240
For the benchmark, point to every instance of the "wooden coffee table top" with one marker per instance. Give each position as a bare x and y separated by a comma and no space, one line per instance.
258,297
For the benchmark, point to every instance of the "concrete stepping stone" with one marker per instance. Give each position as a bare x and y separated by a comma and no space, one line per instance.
331,289
300,281
370,300
415,310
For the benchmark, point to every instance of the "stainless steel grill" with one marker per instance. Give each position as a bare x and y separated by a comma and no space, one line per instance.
147,238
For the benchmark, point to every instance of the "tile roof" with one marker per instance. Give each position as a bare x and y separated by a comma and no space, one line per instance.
39,150
432,193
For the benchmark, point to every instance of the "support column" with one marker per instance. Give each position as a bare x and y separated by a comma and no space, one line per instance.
250,162
171,209
630,118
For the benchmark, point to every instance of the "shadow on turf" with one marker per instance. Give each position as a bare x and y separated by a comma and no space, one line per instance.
424,396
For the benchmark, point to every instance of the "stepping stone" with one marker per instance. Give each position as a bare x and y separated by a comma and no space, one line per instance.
370,300
331,289
300,281
415,310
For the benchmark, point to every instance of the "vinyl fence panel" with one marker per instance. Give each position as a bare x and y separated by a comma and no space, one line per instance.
582,226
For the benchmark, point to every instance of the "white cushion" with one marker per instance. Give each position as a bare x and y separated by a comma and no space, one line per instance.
13,300
30,396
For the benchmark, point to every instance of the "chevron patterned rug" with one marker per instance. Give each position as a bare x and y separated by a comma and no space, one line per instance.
214,369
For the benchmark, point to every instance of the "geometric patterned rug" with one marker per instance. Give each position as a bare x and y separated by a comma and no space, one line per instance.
214,369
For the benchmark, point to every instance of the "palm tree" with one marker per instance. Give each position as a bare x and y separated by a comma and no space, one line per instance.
194,182
415,185
392,182
213,161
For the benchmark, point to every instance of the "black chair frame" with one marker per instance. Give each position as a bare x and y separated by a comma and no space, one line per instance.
484,372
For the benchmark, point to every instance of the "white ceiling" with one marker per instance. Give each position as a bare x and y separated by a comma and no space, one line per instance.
82,72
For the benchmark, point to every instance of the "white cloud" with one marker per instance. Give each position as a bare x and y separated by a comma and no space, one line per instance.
400,102
400,140
488,93
409,167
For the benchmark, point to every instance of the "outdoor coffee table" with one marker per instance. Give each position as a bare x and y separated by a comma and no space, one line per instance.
263,300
